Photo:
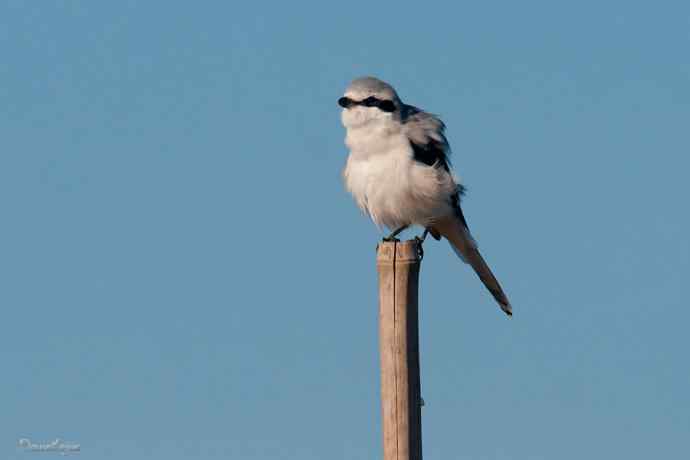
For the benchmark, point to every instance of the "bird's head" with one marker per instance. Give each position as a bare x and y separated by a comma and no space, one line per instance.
368,99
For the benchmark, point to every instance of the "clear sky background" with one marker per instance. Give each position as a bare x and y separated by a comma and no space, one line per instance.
183,275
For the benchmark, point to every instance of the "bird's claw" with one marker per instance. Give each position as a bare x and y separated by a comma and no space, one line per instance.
392,236
420,248
421,240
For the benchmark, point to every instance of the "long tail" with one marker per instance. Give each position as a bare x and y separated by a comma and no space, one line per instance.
455,230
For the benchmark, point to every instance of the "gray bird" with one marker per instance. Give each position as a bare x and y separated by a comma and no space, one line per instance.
399,173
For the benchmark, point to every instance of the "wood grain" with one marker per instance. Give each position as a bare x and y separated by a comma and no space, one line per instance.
398,268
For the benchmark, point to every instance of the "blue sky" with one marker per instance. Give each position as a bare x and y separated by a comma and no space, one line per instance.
183,274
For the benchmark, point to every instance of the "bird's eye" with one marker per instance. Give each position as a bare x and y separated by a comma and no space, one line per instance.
371,101
387,106
345,102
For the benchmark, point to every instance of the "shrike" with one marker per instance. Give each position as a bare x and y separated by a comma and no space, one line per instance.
398,172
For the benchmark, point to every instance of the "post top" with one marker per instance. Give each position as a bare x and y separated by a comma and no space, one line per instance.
399,251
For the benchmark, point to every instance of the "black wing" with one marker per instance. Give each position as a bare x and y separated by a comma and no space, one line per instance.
431,153
430,146
426,135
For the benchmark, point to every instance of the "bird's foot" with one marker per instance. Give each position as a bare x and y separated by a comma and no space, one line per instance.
420,240
392,236
423,237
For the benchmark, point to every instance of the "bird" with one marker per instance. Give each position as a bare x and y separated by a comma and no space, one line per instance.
399,172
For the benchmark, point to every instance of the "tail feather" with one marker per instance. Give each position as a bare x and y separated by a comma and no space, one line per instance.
465,247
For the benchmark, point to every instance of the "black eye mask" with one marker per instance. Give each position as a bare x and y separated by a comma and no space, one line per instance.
371,101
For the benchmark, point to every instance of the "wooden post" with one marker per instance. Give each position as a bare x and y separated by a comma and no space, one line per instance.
398,267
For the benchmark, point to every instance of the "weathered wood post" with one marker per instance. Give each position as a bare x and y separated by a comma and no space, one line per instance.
398,267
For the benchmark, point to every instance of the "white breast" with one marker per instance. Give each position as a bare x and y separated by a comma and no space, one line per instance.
388,184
